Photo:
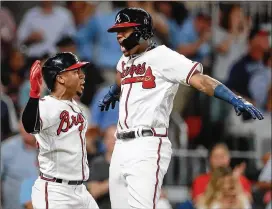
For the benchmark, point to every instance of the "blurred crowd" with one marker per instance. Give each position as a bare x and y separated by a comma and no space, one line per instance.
234,47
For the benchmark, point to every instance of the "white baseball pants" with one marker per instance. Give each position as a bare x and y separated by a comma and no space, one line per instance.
137,170
52,195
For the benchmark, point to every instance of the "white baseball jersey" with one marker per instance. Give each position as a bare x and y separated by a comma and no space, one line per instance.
61,140
149,84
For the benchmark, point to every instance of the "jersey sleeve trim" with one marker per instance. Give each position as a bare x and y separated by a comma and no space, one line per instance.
197,67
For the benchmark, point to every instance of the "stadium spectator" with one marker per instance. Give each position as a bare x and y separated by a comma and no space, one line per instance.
263,185
25,192
230,40
260,84
81,11
260,87
265,182
42,26
13,69
223,191
9,120
219,156
66,44
93,77
98,184
7,31
96,45
175,14
18,161
244,68
13,74
194,37
255,85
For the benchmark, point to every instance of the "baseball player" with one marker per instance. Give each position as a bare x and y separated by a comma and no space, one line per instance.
59,126
148,77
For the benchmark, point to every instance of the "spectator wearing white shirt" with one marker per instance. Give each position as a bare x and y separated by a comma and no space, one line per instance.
43,26
230,40
7,31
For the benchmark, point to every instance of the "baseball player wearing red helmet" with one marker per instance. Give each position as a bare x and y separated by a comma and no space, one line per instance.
59,126
148,77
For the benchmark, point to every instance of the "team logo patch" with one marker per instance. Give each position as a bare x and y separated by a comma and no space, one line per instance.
67,122
122,18
144,75
118,19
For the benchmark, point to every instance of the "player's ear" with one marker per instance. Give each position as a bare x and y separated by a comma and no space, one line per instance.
60,79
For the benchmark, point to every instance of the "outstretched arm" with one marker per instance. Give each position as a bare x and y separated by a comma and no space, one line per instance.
31,114
212,87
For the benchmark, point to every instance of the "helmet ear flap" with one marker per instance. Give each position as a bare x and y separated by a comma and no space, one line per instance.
144,33
146,36
49,76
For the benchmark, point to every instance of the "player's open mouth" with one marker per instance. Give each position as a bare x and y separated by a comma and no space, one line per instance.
82,85
123,49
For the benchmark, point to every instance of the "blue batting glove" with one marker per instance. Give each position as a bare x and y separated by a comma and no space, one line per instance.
243,106
110,98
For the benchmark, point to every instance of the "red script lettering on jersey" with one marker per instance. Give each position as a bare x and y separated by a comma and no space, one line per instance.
145,75
66,124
